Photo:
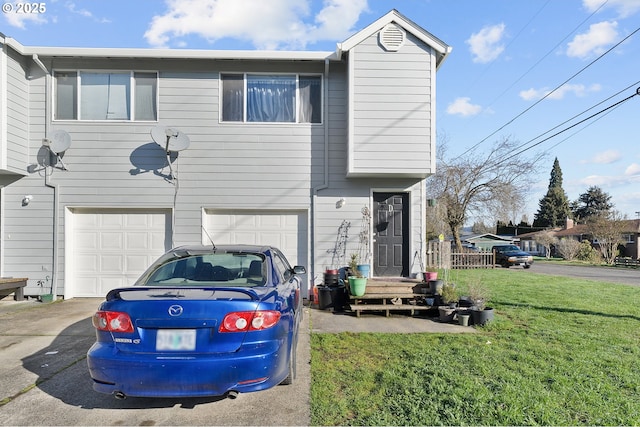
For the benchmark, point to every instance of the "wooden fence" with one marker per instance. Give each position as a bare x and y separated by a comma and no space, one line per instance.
440,255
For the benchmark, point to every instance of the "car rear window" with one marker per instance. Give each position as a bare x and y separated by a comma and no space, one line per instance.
226,269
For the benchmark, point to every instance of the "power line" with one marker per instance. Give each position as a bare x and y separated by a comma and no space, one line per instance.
577,115
615,105
552,91
546,54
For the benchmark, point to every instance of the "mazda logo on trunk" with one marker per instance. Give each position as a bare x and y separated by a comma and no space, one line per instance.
175,310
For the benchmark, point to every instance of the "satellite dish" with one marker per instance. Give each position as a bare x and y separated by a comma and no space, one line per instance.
60,142
170,139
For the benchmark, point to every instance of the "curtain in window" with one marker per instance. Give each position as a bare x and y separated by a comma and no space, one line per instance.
104,96
145,97
309,90
232,98
66,96
271,98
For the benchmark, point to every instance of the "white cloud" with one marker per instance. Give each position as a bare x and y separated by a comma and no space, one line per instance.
463,107
578,90
624,8
613,180
632,170
485,45
272,24
604,157
593,41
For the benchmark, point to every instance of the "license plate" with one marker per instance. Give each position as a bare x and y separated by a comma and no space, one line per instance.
176,339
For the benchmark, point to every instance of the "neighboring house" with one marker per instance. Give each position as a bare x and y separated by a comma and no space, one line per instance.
581,232
484,242
285,147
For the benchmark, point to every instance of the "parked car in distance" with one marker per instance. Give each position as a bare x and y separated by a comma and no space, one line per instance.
508,255
201,321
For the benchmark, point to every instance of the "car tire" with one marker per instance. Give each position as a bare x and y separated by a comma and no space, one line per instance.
292,366
527,266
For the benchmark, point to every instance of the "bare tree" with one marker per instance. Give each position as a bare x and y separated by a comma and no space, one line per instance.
547,239
607,230
568,248
478,183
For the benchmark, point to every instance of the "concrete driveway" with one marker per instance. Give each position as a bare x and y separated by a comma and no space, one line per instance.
45,380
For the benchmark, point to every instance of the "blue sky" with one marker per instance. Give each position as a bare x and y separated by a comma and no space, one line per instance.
507,55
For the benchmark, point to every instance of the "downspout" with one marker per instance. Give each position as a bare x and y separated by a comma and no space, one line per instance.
325,183
47,180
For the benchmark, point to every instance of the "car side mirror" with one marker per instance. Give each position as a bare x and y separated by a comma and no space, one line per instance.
298,269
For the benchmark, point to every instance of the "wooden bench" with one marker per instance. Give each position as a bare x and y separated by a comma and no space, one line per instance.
389,296
13,286
626,262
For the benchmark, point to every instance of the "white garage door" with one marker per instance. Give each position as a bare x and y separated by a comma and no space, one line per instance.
111,248
286,230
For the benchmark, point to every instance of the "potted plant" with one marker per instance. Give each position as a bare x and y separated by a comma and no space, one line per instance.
429,274
479,296
357,282
363,244
449,296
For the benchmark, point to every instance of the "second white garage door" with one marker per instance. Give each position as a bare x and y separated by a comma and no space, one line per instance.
286,230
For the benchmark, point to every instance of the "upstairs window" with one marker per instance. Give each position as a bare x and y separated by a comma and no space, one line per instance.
271,98
124,96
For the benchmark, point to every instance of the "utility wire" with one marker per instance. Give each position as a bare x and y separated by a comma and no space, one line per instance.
552,91
572,126
577,115
544,57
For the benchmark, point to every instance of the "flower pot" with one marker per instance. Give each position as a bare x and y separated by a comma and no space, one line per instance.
446,313
364,269
463,319
429,275
46,297
357,286
481,317
435,286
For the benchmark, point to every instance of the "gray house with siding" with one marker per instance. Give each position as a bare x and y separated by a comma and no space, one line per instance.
284,148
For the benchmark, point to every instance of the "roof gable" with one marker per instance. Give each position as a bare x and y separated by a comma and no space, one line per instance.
441,48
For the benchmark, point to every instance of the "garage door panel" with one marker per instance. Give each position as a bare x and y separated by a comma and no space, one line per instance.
137,240
87,263
112,247
137,263
114,222
111,264
111,241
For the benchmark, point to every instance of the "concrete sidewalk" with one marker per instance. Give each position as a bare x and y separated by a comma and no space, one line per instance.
326,321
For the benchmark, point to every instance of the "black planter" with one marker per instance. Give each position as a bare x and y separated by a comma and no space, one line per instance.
332,297
481,317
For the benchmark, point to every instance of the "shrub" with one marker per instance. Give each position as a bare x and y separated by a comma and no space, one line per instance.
568,248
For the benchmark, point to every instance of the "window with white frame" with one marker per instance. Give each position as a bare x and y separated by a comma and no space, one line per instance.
287,98
88,95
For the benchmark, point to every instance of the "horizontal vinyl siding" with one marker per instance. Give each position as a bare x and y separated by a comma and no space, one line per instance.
391,109
17,114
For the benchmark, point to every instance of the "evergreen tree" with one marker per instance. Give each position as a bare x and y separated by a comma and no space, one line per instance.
594,202
553,208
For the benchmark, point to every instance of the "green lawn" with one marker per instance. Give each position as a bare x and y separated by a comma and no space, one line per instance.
560,352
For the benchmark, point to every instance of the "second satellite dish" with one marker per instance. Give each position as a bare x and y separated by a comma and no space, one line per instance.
170,139
60,142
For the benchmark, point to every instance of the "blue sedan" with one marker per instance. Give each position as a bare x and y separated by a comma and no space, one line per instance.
201,321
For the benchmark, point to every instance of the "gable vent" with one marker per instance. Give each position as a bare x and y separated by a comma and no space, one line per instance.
392,37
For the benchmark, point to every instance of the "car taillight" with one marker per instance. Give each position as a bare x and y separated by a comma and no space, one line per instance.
242,321
112,321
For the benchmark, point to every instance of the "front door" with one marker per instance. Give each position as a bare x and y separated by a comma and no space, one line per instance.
391,234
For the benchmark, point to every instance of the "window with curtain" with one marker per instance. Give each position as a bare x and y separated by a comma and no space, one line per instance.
106,96
271,98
